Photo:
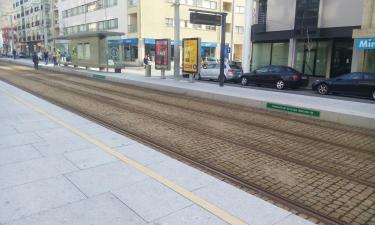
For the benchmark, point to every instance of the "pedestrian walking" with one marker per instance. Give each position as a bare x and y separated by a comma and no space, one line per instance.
145,60
14,53
46,57
54,58
36,61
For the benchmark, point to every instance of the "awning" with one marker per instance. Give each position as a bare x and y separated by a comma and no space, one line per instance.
89,34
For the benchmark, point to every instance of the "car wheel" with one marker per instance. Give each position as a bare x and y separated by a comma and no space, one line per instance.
244,81
323,89
197,76
280,84
373,95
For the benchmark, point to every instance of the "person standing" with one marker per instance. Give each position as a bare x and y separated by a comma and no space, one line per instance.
36,61
14,53
46,57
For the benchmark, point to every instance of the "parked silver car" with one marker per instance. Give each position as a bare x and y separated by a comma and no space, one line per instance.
212,72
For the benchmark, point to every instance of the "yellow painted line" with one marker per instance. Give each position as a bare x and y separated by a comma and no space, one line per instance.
222,214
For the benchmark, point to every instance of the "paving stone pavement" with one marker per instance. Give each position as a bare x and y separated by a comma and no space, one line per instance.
50,176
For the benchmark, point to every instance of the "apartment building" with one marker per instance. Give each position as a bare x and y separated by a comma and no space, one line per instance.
150,20
29,16
313,36
364,52
6,18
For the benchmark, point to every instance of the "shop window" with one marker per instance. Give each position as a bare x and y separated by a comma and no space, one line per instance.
369,63
261,55
280,53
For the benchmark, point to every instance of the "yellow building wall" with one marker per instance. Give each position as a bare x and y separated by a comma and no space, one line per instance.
152,16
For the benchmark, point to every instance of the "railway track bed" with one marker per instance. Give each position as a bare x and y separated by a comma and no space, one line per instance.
320,169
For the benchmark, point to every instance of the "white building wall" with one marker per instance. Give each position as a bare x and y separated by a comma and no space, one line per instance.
340,13
119,11
280,15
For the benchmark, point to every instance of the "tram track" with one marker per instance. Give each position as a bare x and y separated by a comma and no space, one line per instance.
233,139
241,162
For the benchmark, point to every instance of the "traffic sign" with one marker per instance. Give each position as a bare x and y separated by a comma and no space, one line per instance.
229,50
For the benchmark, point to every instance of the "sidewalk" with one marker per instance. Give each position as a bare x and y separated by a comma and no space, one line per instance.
332,110
58,168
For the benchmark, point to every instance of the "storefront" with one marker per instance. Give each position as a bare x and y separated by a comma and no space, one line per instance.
319,57
270,54
366,46
208,49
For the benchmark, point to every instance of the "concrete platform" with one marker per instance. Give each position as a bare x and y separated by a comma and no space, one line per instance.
58,168
343,112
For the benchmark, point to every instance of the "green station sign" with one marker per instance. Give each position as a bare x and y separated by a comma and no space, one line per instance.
285,108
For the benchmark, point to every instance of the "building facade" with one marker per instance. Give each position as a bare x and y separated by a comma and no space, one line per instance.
84,16
6,21
313,36
36,21
150,20
364,45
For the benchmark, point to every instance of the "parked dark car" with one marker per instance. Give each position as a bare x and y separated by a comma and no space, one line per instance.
354,84
280,77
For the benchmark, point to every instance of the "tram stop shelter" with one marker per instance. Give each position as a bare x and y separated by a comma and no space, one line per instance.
92,49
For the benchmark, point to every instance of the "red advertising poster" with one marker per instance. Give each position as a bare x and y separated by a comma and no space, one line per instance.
161,56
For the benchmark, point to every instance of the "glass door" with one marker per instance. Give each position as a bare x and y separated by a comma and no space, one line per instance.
341,57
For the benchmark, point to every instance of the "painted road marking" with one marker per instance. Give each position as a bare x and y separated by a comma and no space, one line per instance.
220,213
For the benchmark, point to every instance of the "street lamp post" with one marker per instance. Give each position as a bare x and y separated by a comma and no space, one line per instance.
177,39
45,33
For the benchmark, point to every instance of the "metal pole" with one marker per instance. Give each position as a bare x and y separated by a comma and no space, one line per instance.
246,57
177,39
231,34
45,33
11,31
222,49
52,9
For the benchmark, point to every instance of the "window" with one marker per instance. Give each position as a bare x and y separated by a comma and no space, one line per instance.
91,7
368,76
169,22
92,27
239,29
262,70
239,9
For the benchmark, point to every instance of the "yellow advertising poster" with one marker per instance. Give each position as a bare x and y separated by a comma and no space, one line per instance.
191,55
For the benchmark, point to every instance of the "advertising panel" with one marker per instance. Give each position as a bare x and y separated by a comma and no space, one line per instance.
163,54
191,55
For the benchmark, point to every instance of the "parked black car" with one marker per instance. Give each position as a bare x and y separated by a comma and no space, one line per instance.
277,76
354,84
280,77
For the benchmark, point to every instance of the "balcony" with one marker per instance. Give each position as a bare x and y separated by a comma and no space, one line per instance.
132,28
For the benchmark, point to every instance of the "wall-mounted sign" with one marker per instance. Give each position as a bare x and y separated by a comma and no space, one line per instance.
163,54
365,43
191,55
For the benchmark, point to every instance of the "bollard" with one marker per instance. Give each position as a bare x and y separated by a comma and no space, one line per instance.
191,78
148,71
162,74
